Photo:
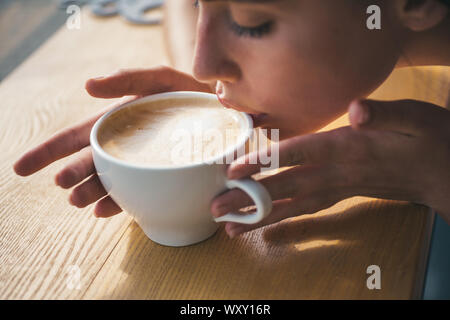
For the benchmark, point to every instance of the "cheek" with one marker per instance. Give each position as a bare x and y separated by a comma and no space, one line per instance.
305,82
299,97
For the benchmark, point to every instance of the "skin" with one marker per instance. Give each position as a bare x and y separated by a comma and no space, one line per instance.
298,97
393,150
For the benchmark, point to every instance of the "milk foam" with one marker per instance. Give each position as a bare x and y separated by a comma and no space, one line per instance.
171,132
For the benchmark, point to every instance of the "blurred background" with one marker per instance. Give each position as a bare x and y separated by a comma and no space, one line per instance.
24,25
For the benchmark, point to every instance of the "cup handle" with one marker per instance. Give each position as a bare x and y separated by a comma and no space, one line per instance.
260,197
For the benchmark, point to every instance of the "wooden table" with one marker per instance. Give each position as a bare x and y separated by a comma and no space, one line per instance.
51,250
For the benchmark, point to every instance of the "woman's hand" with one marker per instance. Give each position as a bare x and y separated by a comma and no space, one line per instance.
396,150
74,139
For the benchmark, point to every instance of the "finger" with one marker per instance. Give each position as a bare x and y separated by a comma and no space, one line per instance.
287,208
143,82
410,117
293,182
61,144
88,192
318,148
81,168
106,208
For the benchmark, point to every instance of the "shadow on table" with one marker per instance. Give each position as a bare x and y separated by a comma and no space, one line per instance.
313,256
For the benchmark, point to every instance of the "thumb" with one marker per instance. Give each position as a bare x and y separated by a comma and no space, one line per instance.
411,117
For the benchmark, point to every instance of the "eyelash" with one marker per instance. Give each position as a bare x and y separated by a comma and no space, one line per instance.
242,31
253,32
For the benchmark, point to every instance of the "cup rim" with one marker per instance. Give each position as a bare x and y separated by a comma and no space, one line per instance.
159,96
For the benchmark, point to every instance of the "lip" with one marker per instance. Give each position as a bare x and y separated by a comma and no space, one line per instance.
256,117
228,104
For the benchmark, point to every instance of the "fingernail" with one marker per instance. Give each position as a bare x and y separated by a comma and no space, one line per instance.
219,88
359,113
56,180
363,114
98,78
71,200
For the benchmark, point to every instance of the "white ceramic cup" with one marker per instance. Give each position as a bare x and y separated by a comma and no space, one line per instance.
172,203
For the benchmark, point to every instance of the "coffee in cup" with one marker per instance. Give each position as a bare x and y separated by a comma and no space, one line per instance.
166,185
171,132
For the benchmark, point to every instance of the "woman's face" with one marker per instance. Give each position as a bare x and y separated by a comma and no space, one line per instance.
295,64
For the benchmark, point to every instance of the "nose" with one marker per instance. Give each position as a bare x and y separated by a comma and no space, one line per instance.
212,61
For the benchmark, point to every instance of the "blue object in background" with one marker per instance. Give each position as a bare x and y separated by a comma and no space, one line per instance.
437,277
132,10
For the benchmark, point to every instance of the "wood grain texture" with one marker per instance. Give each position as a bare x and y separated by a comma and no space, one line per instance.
41,236
324,255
